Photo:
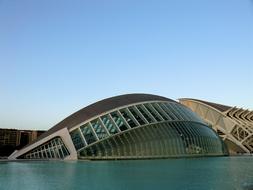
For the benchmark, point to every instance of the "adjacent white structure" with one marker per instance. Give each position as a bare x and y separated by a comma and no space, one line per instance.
234,125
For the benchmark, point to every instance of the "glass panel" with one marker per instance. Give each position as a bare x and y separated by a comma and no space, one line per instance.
193,115
120,145
178,112
47,150
119,121
65,151
132,142
77,139
136,115
88,134
149,119
172,108
184,112
101,149
53,155
109,125
180,134
150,109
127,144
142,140
61,153
108,148
194,142
115,151
155,106
167,110
156,145
48,153
99,129
128,118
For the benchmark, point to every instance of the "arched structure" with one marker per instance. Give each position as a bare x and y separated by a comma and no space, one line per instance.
133,126
234,125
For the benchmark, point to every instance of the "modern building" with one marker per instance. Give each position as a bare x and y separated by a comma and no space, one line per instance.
133,126
234,125
11,139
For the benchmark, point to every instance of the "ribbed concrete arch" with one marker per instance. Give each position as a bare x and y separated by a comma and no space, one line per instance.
232,124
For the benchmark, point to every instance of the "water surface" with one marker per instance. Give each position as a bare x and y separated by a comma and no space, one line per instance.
195,173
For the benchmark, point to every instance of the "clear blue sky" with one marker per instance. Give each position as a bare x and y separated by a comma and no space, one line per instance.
57,56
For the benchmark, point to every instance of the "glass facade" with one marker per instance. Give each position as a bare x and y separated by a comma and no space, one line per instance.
88,134
176,139
146,130
108,123
54,149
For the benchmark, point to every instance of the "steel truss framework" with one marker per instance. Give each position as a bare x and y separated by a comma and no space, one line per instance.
142,130
234,125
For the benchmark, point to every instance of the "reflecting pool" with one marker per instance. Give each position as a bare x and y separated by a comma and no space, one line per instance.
195,173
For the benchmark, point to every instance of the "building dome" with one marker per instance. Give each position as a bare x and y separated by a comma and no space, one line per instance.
132,126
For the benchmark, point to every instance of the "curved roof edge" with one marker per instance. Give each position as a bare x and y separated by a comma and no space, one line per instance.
220,107
98,108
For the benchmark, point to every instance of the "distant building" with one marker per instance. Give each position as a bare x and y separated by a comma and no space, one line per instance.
133,126
9,137
12,139
234,125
